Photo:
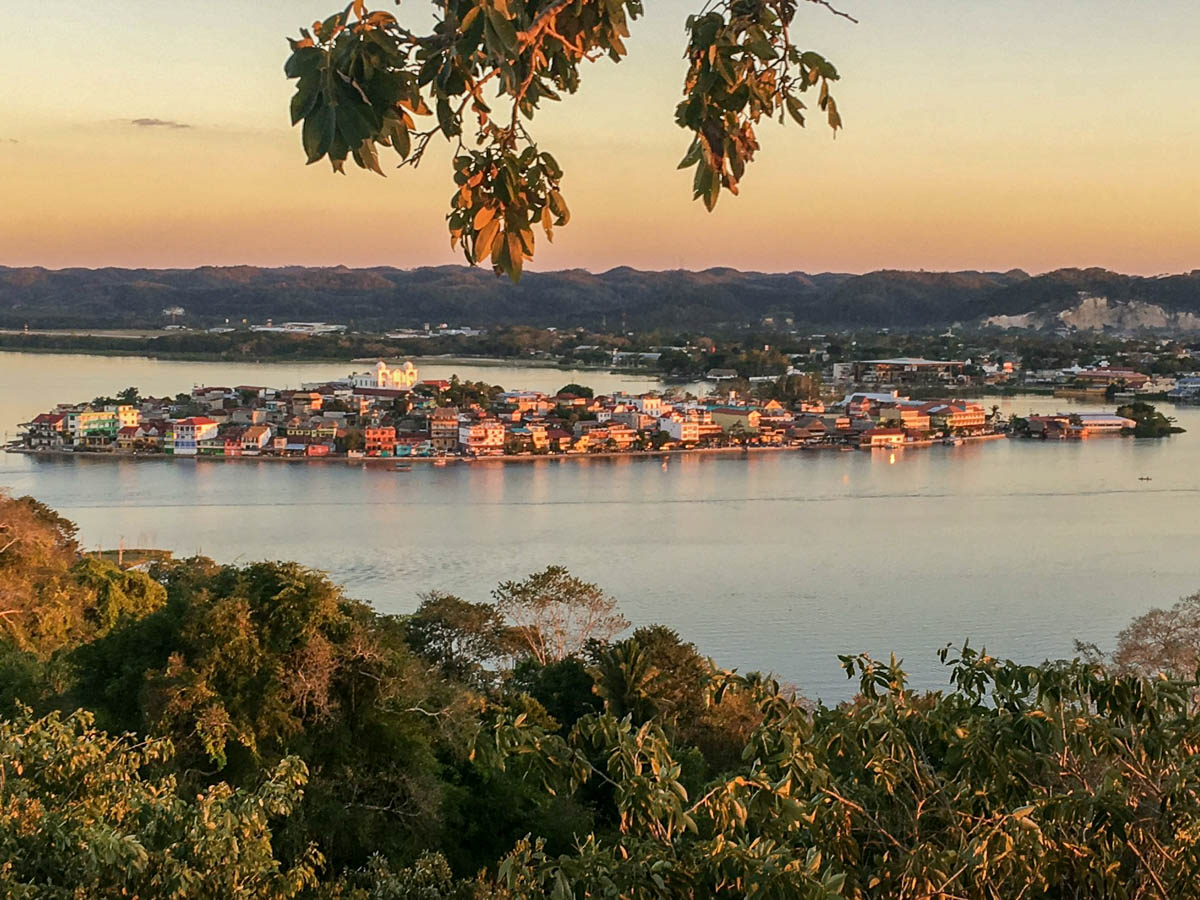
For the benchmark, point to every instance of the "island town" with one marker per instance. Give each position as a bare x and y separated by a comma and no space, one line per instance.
389,413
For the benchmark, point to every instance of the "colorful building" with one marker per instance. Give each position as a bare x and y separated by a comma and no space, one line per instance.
184,436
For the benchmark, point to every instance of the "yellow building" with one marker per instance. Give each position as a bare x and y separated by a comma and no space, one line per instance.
384,376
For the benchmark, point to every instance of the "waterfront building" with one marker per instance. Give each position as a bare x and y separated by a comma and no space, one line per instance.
1100,422
232,439
94,428
127,437
184,436
151,434
482,438
680,429
956,414
443,428
882,437
1187,388
809,429
47,431
255,439
379,440
910,417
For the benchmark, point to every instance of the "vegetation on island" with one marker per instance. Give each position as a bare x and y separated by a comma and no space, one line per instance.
205,730
1150,422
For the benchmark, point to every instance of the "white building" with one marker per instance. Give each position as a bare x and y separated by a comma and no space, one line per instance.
1104,422
479,438
685,431
301,328
400,378
184,436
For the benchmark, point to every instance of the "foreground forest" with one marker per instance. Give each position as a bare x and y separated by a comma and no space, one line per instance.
202,730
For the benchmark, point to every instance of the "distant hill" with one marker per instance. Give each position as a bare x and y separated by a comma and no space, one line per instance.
380,298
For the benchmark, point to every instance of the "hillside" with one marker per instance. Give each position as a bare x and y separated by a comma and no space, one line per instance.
380,298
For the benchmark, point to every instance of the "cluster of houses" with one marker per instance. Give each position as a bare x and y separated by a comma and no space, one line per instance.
391,412
886,419
1074,426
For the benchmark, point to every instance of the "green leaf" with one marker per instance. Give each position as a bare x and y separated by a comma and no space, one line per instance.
304,99
793,107
504,30
305,61
446,120
317,133
692,156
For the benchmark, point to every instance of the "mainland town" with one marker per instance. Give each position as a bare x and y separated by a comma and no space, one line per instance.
388,412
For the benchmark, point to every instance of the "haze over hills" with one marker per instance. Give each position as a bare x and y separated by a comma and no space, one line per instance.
381,298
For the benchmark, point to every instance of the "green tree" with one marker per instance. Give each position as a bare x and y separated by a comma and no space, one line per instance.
565,689
49,597
579,390
1149,422
678,363
352,440
363,80
80,816
459,637
245,666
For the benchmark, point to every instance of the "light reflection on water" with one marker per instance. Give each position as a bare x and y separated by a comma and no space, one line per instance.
776,560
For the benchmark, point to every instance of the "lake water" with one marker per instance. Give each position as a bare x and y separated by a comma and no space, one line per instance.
778,561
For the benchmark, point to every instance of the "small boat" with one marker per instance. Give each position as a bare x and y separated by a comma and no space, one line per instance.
402,467
1145,478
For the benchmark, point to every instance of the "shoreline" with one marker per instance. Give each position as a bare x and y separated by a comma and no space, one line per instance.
439,461
435,359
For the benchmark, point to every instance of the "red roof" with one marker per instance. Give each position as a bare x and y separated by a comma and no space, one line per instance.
197,420
47,418
128,431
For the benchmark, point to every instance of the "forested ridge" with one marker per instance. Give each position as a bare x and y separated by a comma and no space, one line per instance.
381,298
204,730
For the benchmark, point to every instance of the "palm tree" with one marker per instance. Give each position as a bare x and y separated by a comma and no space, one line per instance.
624,675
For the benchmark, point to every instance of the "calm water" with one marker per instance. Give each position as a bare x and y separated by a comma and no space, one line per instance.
779,561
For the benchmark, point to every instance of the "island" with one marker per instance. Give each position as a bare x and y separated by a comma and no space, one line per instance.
388,413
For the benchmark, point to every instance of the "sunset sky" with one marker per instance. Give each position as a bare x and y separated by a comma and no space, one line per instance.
980,135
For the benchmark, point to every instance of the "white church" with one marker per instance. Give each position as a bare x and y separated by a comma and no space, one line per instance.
383,376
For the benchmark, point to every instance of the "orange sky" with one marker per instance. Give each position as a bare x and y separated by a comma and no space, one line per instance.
978,135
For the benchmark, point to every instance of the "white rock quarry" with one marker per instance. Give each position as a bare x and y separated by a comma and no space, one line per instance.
1093,313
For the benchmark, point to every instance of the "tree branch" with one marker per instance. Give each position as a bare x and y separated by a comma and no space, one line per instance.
833,9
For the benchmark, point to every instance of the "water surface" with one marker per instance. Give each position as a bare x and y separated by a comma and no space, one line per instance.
775,561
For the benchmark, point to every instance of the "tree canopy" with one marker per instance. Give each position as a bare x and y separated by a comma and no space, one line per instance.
250,732
365,81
